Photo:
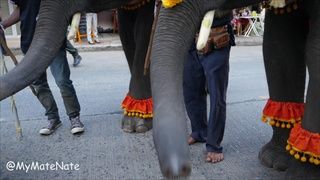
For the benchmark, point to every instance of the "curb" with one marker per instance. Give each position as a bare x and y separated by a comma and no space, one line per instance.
251,41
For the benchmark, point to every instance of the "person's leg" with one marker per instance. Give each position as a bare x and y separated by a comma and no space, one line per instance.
195,97
71,49
46,98
74,52
95,27
89,27
61,73
216,67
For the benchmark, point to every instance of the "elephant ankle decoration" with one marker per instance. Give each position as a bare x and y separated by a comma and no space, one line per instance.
291,43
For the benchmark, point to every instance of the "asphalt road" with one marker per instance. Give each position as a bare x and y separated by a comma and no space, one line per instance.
105,152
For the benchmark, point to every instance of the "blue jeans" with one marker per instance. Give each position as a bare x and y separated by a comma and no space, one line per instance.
211,70
61,73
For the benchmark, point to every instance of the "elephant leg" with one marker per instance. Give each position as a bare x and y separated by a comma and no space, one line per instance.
304,140
135,28
283,47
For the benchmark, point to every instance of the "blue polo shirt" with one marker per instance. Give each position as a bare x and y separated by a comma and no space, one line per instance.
29,10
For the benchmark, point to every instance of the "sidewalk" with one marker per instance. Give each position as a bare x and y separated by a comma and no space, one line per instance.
111,41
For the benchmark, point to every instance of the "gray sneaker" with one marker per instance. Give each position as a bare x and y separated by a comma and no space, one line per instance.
76,125
51,127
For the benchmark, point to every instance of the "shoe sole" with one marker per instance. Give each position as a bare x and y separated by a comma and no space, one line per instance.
49,132
77,130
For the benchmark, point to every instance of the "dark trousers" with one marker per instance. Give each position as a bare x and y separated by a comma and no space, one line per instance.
61,73
211,70
71,49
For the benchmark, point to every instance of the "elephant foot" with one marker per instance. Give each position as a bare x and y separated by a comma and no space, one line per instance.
143,125
302,170
127,124
135,124
273,154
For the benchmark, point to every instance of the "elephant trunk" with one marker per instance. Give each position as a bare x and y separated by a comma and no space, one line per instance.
173,37
49,36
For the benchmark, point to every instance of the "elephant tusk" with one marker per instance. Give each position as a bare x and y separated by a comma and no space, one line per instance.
205,30
278,3
74,26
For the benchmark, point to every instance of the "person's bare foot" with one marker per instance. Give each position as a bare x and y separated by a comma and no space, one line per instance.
191,140
213,157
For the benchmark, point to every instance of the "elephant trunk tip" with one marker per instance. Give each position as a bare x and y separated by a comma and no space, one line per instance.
176,169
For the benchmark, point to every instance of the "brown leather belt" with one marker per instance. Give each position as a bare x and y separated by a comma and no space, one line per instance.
219,38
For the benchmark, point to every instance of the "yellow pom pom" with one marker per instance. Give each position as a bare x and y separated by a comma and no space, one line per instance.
283,125
293,121
170,3
303,159
264,119
125,112
141,115
129,114
272,122
292,152
316,162
137,114
311,160
288,126
297,156
288,147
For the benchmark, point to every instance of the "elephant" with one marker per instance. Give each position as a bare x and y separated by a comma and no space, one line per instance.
170,45
291,43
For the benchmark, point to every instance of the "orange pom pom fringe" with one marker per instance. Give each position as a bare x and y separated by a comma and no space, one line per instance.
137,108
282,114
304,145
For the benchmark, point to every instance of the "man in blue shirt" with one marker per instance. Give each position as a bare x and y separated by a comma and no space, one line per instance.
27,12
